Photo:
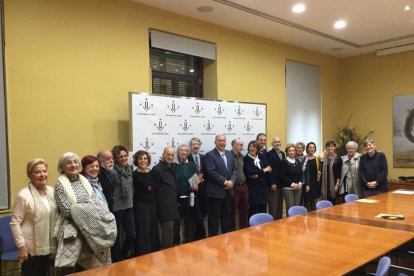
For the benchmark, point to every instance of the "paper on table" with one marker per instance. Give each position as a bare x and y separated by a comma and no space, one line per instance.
404,192
366,200
194,180
390,217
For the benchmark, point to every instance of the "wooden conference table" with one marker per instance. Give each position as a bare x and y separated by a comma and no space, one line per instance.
364,213
321,243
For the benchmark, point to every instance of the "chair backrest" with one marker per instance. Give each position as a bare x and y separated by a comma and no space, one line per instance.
351,197
383,266
322,204
297,210
6,236
260,218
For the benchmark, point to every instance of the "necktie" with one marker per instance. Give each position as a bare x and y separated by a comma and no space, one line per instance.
197,162
225,159
280,155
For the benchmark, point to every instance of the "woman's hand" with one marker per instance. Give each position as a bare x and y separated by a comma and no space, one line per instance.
267,169
307,189
23,254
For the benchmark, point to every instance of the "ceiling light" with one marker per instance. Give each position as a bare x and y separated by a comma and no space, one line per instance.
340,24
336,49
298,8
205,9
407,8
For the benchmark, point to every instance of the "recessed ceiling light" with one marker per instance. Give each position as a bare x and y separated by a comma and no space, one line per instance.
298,8
407,8
205,9
340,24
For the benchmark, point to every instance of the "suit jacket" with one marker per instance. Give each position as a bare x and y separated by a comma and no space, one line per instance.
202,157
216,173
276,163
201,185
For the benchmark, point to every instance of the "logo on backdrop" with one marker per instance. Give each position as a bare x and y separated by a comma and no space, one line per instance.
197,109
229,126
185,126
239,111
160,126
173,143
208,126
256,112
248,127
146,145
173,107
146,106
219,110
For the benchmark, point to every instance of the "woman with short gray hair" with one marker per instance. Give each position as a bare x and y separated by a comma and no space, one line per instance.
350,183
81,209
373,170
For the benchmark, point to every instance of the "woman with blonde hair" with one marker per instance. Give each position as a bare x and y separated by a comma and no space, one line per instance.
33,219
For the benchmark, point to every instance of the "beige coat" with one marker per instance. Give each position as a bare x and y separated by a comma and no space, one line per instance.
22,219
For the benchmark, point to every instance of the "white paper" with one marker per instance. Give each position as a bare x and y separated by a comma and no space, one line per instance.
194,180
366,200
404,192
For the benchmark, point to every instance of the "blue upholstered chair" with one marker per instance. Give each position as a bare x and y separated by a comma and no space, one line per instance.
260,218
351,197
297,210
383,266
322,204
8,248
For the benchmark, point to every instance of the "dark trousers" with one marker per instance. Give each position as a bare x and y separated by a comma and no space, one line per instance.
219,212
275,201
200,211
187,214
36,266
257,208
240,203
124,221
168,233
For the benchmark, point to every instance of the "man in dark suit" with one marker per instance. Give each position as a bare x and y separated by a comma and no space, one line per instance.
275,197
200,202
220,176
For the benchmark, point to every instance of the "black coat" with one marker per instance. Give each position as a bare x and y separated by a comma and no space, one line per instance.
166,192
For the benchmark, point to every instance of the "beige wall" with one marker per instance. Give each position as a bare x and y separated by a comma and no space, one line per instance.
368,84
71,63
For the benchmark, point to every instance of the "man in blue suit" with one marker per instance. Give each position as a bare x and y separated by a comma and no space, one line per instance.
220,176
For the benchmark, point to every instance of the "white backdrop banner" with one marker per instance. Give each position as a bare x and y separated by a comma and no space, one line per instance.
160,121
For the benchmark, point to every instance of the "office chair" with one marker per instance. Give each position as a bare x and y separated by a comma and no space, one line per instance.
322,204
260,218
8,250
351,197
297,210
383,266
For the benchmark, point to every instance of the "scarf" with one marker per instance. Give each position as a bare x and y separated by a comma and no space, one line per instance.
97,188
44,221
325,171
67,187
256,160
123,173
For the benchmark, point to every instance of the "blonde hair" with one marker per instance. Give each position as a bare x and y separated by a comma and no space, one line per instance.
33,163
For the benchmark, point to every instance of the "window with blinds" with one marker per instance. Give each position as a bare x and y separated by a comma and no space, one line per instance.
175,73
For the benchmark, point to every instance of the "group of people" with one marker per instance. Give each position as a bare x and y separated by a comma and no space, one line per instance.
103,210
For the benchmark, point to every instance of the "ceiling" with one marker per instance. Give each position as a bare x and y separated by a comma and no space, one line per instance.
371,24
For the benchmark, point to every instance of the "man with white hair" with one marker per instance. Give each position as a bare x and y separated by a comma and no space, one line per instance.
105,176
220,176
